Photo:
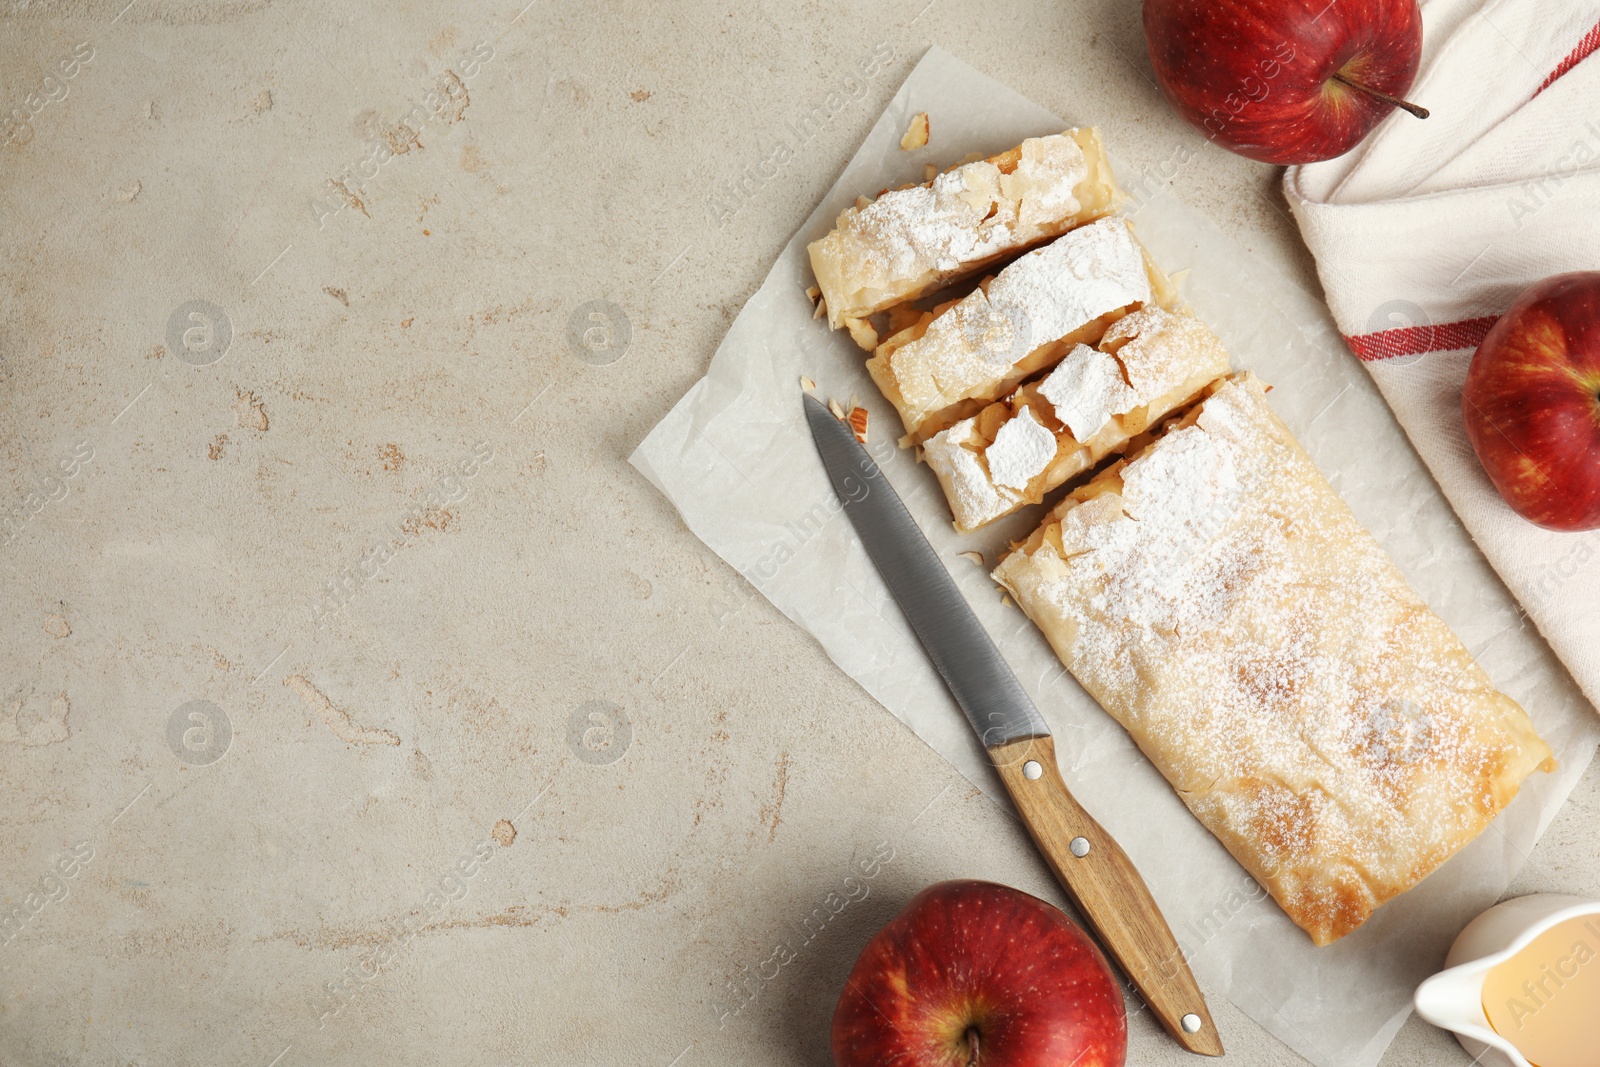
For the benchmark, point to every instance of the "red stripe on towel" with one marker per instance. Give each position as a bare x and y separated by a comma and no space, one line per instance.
1417,340
1590,42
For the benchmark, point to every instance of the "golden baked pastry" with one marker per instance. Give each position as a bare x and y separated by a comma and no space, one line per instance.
1093,403
1216,596
911,241
951,362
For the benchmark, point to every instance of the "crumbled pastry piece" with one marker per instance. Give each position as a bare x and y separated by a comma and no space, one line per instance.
916,134
968,352
1221,602
913,240
1094,403
813,293
807,384
863,333
858,423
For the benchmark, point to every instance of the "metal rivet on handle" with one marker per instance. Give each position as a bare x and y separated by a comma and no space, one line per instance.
1080,848
1031,770
1190,1023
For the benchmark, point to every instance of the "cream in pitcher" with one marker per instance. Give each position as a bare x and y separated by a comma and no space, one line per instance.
1523,987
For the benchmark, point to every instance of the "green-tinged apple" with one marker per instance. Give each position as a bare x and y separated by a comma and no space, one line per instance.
1285,81
974,974
1531,403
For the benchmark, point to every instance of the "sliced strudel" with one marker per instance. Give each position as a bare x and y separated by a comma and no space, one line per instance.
911,241
1216,596
1092,404
954,360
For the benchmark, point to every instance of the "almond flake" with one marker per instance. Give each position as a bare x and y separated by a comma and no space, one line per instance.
838,412
929,172
858,424
807,384
975,557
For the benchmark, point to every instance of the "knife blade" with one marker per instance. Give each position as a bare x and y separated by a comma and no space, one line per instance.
1096,874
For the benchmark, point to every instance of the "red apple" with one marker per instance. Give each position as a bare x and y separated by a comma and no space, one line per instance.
1532,403
1285,81
973,974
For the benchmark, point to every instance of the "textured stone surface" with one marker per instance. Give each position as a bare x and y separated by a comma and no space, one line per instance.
496,761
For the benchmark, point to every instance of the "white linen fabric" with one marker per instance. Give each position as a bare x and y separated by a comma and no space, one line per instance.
1429,229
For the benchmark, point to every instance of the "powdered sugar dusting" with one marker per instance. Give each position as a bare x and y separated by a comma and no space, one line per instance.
1157,347
1022,449
953,455
1043,296
1086,389
1226,607
1168,357
895,245
1043,180
1156,350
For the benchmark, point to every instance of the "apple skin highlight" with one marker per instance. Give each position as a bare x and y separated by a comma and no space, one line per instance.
1531,403
975,974
1257,76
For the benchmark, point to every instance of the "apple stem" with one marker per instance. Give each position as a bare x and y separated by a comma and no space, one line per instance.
1405,105
972,1040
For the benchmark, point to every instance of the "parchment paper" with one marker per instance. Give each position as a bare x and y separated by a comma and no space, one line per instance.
735,457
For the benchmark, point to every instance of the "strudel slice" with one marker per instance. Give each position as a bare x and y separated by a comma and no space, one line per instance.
1216,596
1092,404
954,360
911,241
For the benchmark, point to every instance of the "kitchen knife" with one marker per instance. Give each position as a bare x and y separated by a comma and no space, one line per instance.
1095,872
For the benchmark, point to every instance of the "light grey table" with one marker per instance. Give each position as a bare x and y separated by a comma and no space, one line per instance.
378,709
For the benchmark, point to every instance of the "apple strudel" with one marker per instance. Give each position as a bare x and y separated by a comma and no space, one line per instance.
951,362
1218,599
1092,404
911,241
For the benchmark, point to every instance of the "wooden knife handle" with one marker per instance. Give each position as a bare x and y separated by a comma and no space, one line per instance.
1107,891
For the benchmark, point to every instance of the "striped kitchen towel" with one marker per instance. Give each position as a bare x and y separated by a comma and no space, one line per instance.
1428,230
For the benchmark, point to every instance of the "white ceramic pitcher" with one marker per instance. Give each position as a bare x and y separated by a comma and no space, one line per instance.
1453,998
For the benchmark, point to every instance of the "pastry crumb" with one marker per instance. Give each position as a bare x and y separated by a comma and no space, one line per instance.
1005,599
916,134
807,384
858,423
862,202
975,557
